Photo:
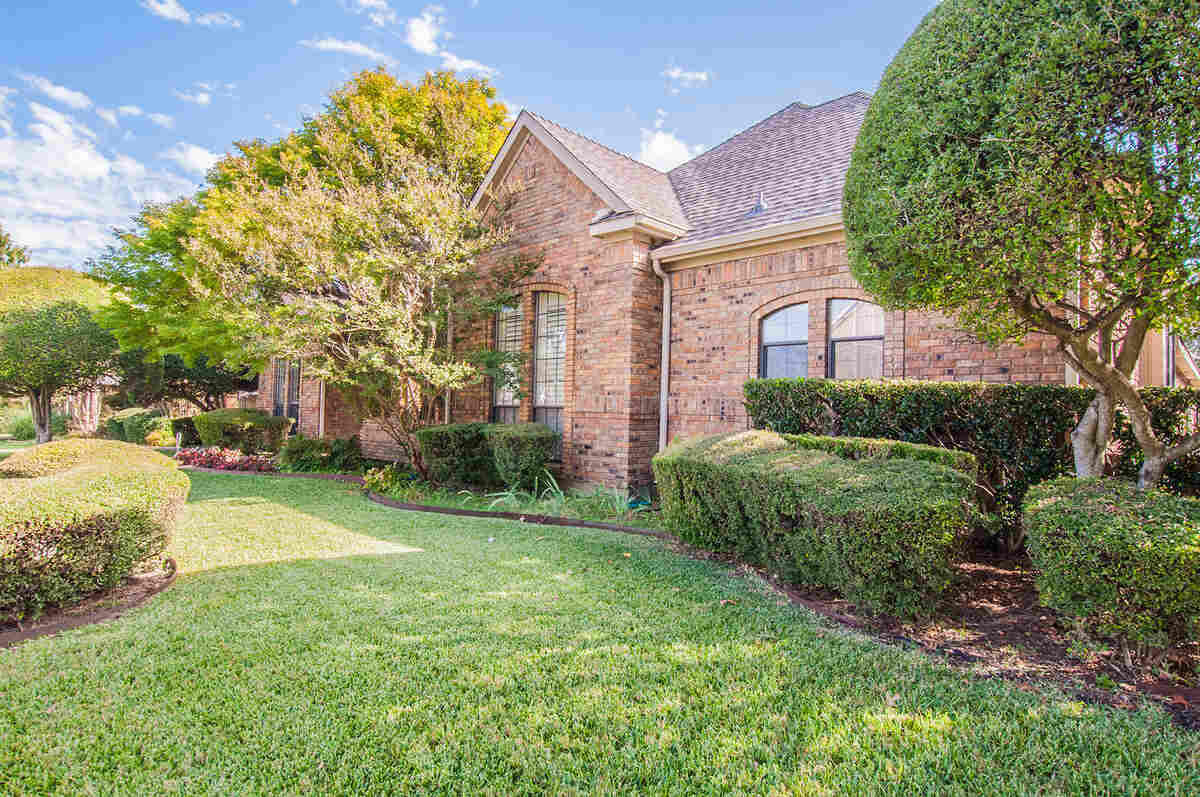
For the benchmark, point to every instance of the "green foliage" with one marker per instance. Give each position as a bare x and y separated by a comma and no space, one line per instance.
459,453
160,432
868,448
132,425
11,255
38,286
186,428
78,516
521,451
388,479
302,454
146,379
1020,434
883,530
1124,561
247,430
20,425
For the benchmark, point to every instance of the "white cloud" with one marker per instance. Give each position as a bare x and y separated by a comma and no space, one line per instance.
196,97
174,11
422,33
679,78
378,11
218,19
61,194
161,119
5,109
332,45
664,150
108,115
130,110
168,9
660,116
191,157
72,99
452,61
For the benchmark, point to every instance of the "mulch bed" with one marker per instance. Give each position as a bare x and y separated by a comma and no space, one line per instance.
105,606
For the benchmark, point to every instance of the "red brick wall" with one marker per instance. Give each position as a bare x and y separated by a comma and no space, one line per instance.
716,315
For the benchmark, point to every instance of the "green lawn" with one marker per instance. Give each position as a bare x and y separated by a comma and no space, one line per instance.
317,643
7,447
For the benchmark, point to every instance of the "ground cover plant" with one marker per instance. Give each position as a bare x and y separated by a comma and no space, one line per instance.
219,458
78,517
315,642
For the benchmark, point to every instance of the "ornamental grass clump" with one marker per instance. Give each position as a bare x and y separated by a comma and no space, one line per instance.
79,516
883,529
1122,561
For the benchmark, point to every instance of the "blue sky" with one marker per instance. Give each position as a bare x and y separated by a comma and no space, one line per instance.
106,104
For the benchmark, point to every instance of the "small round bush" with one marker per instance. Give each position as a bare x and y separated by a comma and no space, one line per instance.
1125,562
21,427
247,430
132,424
458,453
521,451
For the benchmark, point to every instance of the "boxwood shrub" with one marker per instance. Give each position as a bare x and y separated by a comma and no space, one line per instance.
78,516
1020,434
302,454
186,428
247,430
1124,561
459,453
521,451
883,528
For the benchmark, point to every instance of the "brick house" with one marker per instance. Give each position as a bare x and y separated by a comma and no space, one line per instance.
745,248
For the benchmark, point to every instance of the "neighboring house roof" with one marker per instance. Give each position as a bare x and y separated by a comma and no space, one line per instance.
795,160
643,188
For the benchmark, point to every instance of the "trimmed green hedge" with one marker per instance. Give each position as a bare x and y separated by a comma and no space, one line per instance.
522,451
884,529
186,427
131,425
247,430
1124,561
78,516
459,453
1020,434
302,454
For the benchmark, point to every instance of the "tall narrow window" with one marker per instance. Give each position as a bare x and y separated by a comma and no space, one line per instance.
783,353
855,339
293,394
549,362
279,389
509,339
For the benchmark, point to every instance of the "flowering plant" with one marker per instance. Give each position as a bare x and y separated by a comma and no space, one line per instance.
225,459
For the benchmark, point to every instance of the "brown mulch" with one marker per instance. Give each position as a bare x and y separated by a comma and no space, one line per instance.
99,608
991,622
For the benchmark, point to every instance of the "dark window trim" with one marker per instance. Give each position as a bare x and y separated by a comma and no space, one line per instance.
762,347
830,344
499,409
558,450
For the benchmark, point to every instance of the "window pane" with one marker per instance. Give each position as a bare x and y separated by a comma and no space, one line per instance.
279,388
549,350
509,338
789,325
849,318
786,362
552,417
858,359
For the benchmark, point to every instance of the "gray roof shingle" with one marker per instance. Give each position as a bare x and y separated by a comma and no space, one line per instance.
796,159
643,188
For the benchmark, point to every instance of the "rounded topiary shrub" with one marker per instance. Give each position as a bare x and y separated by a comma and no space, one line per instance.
521,451
459,453
247,430
1125,562
131,425
79,516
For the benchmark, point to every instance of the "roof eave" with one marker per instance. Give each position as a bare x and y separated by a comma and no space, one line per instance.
652,227
813,225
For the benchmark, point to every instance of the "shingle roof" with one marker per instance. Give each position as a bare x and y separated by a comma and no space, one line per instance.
642,187
796,159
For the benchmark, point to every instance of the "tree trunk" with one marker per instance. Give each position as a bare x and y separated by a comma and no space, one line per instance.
1092,436
39,405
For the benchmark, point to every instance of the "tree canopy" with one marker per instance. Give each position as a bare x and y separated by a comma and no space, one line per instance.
1034,165
36,286
11,255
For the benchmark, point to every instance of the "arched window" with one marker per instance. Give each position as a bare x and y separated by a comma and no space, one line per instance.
510,339
550,361
783,351
855,339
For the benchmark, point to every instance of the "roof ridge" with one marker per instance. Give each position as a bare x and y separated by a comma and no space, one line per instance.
792,105
629,158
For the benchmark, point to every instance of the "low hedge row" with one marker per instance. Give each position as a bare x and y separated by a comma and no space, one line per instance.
247,430
1124,561
510,454
1020,434
883,528
302,454
185,428
131,425
78,516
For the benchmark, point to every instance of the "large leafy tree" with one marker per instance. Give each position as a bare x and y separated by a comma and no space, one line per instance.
144,380
11,255
352,245
1034,166
50,345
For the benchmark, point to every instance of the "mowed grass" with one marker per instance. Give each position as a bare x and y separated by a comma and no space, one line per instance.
318,643
9,447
